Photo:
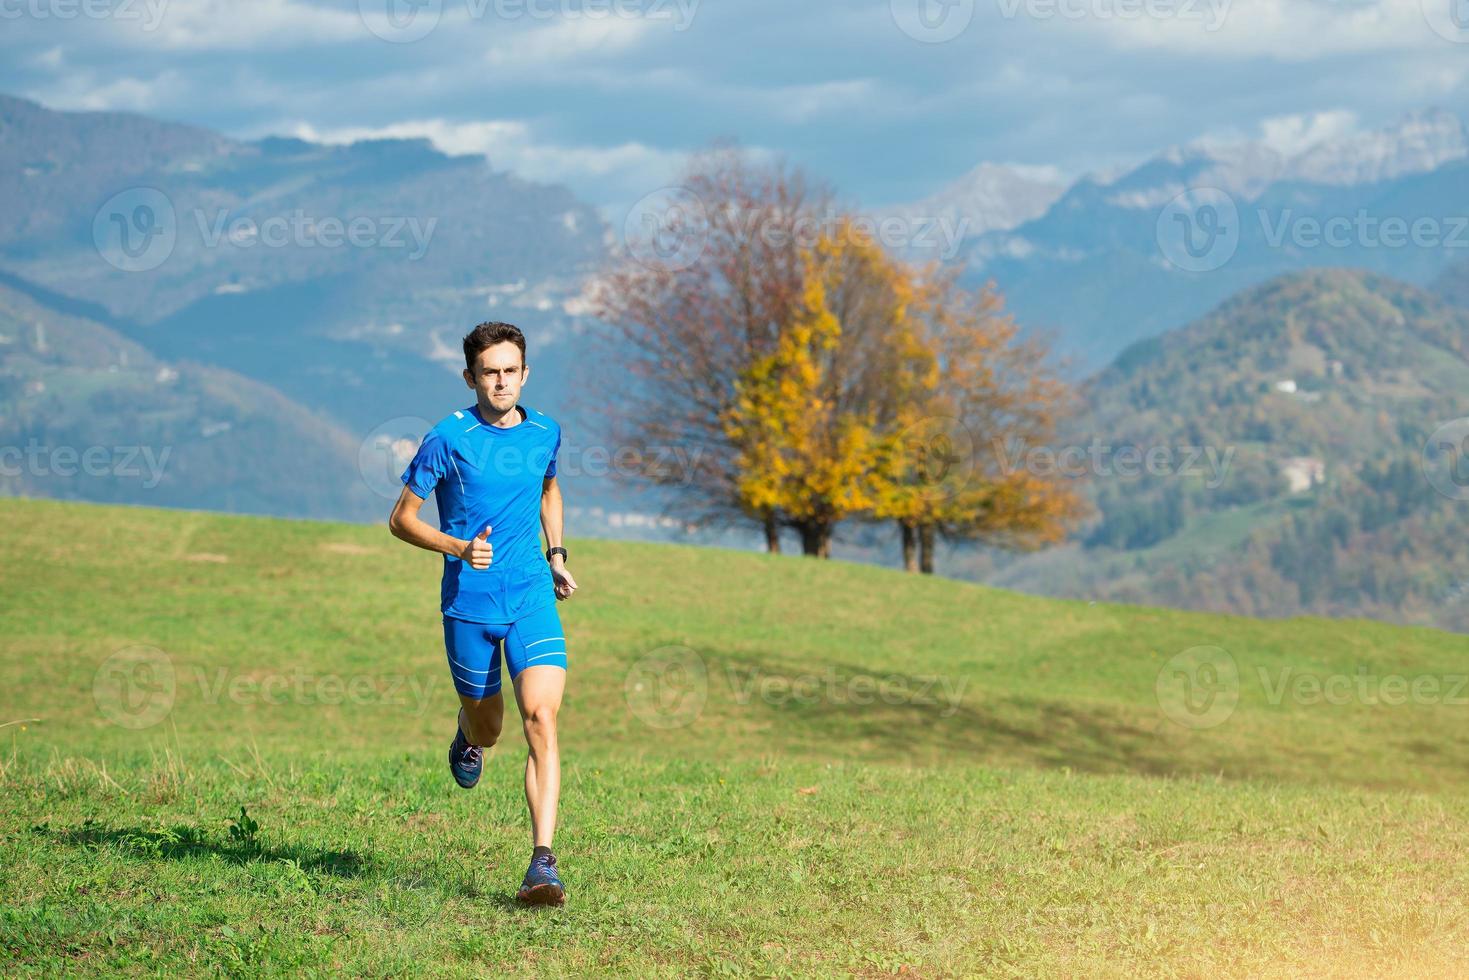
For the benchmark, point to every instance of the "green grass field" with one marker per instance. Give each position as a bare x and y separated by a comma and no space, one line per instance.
771,766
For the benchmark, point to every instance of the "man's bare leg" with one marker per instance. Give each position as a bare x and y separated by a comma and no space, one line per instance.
538,692
480,719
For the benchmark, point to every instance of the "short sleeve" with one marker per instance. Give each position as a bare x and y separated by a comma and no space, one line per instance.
428,465
556,452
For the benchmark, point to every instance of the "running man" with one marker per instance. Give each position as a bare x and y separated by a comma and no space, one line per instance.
492,470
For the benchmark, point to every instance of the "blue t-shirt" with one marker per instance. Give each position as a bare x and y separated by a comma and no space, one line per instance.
481,474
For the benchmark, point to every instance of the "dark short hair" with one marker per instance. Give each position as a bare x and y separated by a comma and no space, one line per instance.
487,335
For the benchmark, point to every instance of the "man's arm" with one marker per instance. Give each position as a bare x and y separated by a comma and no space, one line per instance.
552,515
406,525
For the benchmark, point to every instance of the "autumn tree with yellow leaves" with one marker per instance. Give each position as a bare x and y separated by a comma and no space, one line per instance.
949,474
809,383
813,419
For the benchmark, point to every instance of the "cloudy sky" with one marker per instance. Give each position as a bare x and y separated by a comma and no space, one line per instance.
887,99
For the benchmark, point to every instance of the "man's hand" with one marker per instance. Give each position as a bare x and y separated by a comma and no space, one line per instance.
565,584
478,551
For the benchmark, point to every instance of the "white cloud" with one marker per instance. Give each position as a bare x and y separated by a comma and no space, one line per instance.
83,91
1294,134
1284,30
568,42
632,168
237,24
803,103
51,59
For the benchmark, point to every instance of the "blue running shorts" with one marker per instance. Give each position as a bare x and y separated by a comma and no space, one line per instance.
473,649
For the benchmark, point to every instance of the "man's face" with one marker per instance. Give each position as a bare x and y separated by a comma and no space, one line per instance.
498,375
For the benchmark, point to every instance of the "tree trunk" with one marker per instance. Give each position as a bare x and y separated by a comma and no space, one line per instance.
816,539
925,549
772,534
910,547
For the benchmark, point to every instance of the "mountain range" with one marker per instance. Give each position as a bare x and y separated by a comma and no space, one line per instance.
1097,269
168,289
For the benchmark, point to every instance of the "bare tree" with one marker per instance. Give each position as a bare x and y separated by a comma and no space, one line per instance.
705,284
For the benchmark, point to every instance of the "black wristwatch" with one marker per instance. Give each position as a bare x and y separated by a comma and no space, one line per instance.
553,551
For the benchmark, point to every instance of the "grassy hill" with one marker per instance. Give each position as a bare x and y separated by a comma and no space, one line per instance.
1026,791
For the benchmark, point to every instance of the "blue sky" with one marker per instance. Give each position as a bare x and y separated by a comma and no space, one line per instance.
874,95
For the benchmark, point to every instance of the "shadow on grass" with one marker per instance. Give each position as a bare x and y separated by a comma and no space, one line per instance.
182,842
928,718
